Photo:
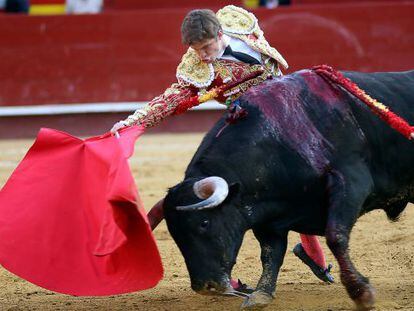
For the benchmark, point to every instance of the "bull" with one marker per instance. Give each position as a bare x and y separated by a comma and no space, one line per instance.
309,157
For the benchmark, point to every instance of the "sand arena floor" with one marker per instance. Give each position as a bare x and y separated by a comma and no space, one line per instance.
381,250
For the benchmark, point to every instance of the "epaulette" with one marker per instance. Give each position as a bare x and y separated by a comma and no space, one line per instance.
236,20
194,71
239,23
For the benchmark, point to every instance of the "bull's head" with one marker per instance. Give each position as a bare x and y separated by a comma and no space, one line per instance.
203,218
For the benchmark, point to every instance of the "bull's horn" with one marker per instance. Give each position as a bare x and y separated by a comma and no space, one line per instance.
213,190
156,214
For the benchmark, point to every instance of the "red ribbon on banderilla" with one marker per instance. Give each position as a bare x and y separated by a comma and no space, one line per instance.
214,92
393,120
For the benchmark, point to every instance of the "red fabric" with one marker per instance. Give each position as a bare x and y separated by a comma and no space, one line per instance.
313,249
71,219
187,104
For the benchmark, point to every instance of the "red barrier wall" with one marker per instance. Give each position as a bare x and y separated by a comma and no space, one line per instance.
130,56
294,2
162,4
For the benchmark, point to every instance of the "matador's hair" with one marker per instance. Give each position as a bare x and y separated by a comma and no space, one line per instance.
199,25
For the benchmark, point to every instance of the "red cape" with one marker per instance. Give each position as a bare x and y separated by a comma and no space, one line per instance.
71,219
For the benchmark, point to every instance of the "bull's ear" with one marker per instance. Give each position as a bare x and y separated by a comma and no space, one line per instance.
234,187
234,193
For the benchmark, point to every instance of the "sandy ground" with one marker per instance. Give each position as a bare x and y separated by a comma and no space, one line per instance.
382,251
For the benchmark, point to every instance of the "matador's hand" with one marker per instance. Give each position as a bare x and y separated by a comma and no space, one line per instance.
117,126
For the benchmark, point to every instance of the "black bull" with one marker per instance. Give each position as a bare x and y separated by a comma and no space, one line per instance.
309,157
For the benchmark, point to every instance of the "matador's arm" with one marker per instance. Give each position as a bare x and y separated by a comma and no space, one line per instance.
161,106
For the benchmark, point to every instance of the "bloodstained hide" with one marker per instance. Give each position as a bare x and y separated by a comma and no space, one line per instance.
71,219
300,107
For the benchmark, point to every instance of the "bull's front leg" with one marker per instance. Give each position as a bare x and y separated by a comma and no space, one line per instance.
273,248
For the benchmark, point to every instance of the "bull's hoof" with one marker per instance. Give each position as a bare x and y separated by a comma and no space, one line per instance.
366,300
256,301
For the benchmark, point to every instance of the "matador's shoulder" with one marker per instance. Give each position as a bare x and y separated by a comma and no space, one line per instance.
239,23
194,71
236,20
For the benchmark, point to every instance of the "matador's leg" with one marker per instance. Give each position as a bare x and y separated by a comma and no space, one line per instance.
311,253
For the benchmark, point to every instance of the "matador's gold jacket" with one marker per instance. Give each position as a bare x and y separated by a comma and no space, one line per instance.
195,77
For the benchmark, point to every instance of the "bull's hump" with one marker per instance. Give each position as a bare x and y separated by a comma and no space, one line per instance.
282,104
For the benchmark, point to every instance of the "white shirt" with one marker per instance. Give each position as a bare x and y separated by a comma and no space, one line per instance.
238,45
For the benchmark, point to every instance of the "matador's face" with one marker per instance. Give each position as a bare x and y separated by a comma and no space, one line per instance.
209,49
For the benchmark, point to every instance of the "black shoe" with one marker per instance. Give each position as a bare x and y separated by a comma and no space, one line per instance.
243,288
322,274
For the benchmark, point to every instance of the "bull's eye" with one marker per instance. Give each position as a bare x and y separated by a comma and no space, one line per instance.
205,224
